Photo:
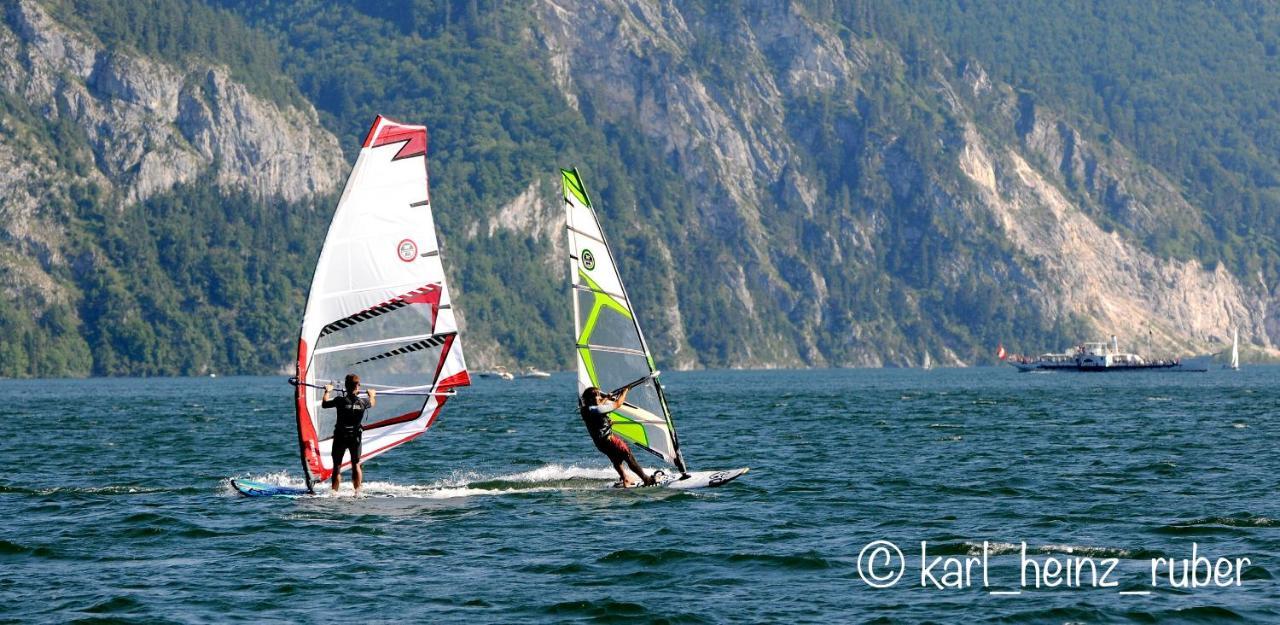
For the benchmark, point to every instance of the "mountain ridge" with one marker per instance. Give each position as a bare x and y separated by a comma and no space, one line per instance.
782,188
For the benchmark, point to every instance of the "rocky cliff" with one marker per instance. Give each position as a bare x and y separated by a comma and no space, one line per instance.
85,124
150,125
783,189
1050,193
1169,305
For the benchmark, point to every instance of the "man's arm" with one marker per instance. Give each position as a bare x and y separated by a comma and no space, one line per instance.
325,402
620,395
373,397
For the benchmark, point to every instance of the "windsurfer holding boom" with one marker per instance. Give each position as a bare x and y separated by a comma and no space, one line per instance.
347,430
595,407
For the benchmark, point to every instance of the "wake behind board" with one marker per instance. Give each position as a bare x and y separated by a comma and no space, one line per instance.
699,479
250,488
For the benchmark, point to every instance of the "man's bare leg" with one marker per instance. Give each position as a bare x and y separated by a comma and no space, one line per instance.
357,477
622,475
336,481
635,468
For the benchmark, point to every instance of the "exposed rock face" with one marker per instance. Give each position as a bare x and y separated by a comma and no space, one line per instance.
777,256
1100,276
533,214
1036,177
142,127
1124,289
633,61
151,125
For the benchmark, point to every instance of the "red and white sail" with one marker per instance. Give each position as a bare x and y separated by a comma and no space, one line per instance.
379,305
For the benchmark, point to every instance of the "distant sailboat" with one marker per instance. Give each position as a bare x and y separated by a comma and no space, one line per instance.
1235,351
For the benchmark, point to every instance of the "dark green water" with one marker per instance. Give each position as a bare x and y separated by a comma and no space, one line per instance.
113,503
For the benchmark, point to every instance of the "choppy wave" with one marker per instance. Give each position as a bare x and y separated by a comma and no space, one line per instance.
663,557
1199,614
8,548
1217,524
1097,551
120,604
83,490
487,518
550,477
610,610
1001,548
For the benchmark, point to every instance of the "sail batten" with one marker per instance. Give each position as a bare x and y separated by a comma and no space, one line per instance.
584,234
610,348
379,304
589,289
388,341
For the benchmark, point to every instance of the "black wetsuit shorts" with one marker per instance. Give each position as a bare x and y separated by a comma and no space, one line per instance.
345,442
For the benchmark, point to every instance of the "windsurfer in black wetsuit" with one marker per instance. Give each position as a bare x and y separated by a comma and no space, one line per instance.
347,430
595,408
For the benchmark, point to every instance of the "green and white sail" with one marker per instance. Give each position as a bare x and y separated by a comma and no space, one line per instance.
610,348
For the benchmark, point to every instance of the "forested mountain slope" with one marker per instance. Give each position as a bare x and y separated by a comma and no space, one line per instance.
786,183
150,201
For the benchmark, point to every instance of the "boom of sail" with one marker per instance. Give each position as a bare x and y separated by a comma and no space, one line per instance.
379,305
611,350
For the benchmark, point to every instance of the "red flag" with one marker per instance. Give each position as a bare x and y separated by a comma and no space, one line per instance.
1000,353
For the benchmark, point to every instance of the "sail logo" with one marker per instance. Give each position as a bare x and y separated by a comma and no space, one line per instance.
588,260
407,250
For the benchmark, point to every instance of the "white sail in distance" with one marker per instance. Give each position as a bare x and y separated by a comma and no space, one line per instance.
379,305
610,349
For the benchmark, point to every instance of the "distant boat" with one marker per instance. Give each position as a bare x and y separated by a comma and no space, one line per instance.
500,372
1235,351
532,372
1101,356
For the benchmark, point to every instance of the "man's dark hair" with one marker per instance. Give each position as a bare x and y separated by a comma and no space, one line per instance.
591,396
352,382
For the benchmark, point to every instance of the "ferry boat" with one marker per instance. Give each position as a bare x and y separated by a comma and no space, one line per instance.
1101,356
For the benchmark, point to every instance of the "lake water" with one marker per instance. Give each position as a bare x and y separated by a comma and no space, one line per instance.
114,504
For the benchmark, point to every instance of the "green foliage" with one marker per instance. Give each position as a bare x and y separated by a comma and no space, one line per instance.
46,345
196,281
200,280
496,125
